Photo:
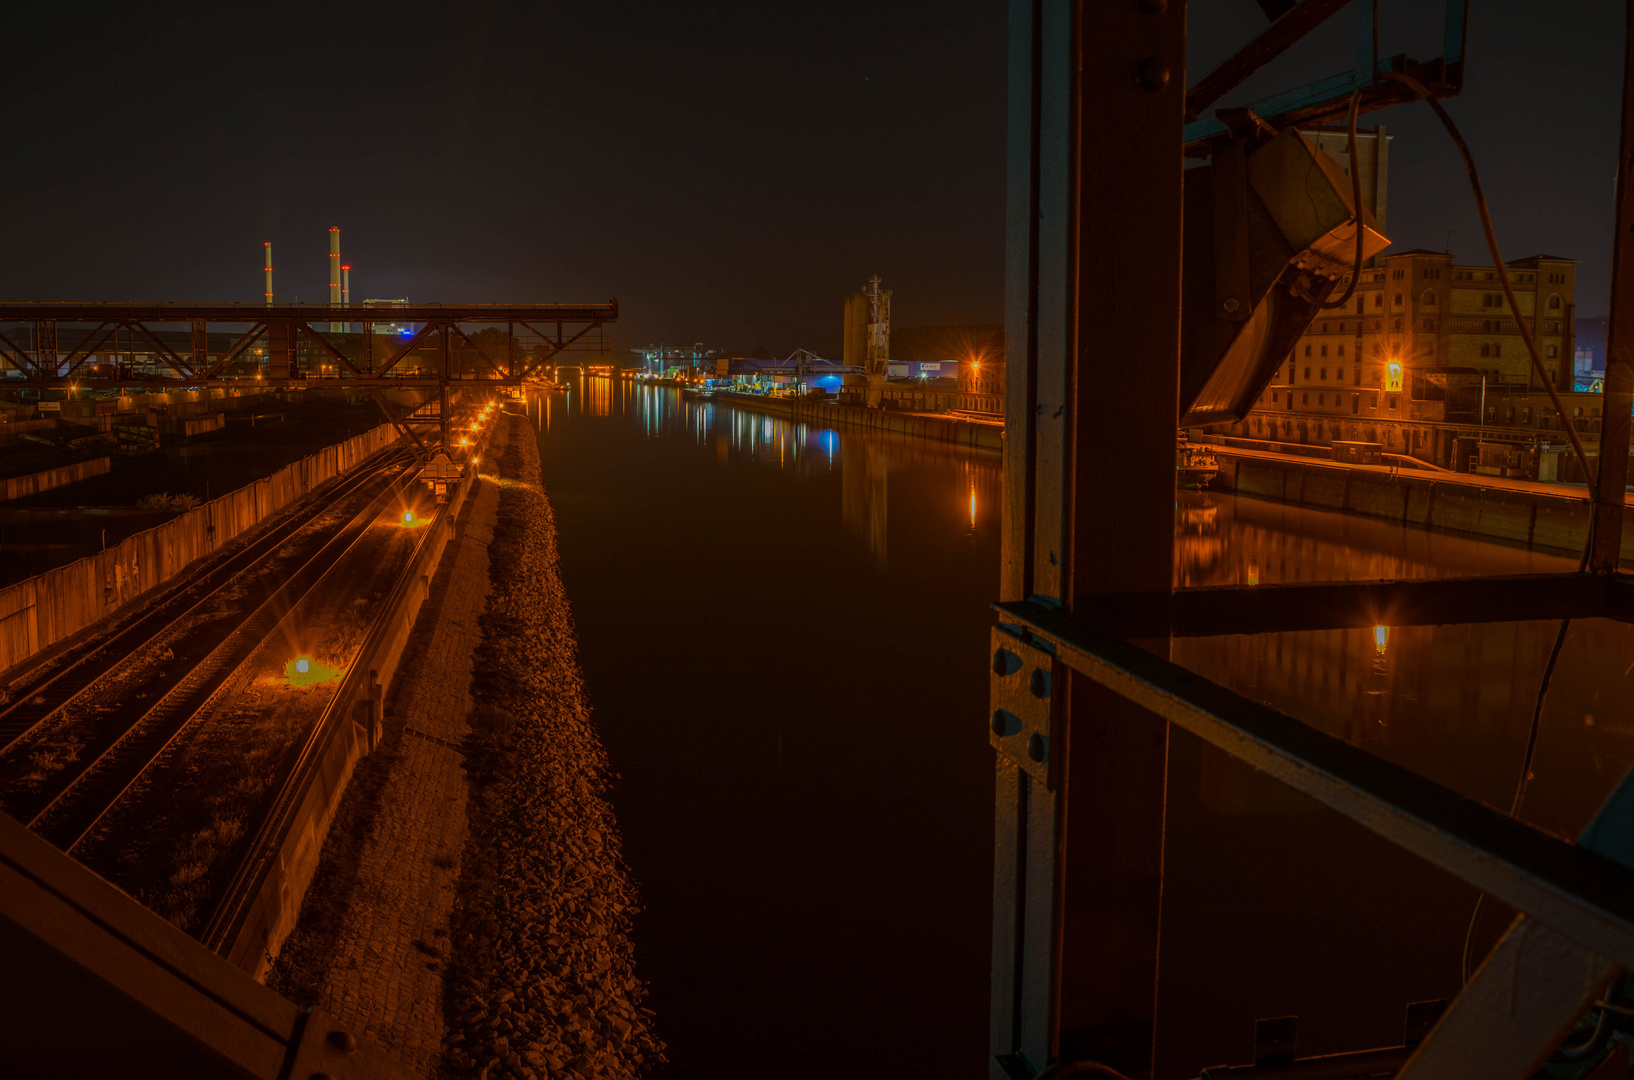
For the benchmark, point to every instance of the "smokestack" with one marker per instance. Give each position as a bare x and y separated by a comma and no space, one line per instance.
346,292
268,246
334,273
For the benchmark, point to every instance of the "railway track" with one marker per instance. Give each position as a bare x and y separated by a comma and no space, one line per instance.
63,680
236,896
77,799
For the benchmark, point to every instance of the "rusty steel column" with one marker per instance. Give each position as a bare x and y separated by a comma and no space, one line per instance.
1093,325
1609,500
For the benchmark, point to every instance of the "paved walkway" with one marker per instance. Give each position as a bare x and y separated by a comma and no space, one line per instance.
386,981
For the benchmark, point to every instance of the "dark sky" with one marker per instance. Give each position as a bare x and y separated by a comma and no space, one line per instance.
728,172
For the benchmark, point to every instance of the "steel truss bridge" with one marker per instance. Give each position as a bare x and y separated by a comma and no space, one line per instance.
50,346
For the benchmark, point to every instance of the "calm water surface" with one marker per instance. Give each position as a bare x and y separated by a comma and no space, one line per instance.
784,631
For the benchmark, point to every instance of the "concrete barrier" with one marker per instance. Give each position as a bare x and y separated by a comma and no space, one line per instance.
18,487
973,436
38,613
1532,519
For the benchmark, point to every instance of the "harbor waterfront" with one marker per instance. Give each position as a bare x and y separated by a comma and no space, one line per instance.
838,783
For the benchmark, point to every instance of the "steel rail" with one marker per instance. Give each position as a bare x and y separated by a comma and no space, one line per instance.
242,886
66,684
187,698
1581,894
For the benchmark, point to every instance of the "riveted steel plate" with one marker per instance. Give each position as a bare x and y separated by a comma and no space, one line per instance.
1023,680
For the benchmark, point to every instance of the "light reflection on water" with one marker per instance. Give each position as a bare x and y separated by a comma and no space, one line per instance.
1273,906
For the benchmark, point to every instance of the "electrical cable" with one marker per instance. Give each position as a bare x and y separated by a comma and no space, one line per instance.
1355,204
1590,475
1497,261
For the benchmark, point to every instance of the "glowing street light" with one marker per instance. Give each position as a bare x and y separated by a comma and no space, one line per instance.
303,665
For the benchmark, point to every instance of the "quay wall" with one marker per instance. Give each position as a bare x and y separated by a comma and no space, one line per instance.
351,728
18,487
974,436
1530,519
40,612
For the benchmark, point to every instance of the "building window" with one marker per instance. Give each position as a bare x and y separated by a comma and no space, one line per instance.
1398,300
1375,400
1341,330
1429,299
1393,402
1485,351
1304,399
1497,350
1550,352
1554,302
1307,350
1307,373
1526,415
1321,399
1324,374
1324,353
1341,353
1509,415
1378,299
1274,398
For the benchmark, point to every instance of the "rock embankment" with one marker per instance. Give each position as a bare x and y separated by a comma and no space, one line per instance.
542,982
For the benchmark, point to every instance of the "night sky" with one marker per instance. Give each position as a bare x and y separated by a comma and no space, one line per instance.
728,172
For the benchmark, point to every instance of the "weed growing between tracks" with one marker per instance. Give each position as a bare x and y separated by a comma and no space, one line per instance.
541,982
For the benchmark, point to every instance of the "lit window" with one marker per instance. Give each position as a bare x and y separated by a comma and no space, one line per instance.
1392,378
1550,352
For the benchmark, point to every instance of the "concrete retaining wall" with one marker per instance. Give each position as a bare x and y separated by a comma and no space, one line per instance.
974,436
18,487
1532,519
40,612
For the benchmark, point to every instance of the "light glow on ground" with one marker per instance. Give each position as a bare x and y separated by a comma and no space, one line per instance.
305,671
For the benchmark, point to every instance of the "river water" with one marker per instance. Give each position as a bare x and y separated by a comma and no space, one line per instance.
784,634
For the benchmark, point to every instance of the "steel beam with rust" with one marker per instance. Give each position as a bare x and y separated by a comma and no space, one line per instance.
1583,895
1263,609
1088,519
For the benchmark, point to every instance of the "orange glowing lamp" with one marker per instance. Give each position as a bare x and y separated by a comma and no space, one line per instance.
1381,638
408,517
1392,377
303,665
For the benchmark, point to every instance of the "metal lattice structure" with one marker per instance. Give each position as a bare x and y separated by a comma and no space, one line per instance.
1084,696
85,345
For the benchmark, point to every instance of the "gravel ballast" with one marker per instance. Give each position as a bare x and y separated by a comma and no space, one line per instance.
542,981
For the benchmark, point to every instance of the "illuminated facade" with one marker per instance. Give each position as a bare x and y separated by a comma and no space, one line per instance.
1427,353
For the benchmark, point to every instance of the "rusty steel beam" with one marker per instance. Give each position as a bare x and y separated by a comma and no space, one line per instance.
1583,895
1290,28
1534,985
1262,609
1079,859
1612,474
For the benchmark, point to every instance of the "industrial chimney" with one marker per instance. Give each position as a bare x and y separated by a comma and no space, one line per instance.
334,274
268,246
346,293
